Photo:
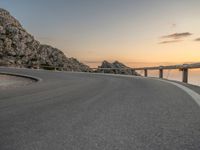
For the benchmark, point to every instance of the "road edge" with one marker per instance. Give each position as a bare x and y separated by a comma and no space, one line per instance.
195,96
22,75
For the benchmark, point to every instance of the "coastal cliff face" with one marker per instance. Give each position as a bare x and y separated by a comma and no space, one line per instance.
19,48
117,68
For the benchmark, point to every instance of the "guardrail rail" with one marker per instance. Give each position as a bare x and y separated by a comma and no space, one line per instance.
184,68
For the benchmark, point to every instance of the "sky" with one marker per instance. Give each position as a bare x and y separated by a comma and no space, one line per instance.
131,31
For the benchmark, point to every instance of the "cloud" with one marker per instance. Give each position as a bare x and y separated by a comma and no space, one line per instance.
178,35
173,25
198,40
171,41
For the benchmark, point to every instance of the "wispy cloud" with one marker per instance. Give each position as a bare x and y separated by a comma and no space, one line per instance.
171,41
173,25
177,35
197,39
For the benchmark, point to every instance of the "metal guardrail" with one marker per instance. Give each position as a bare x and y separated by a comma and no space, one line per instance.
189,66
184,68
131,71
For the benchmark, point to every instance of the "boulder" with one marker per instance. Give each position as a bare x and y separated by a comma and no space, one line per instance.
116,68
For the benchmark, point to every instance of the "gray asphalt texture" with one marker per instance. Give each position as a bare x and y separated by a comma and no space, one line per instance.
81,111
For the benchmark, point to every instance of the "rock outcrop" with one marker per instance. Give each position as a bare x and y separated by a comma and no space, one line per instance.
19,48
116,68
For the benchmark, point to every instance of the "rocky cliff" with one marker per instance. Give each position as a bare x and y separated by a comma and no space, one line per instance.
19,48
116,68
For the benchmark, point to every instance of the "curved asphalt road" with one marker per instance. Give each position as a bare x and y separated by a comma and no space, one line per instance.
80,111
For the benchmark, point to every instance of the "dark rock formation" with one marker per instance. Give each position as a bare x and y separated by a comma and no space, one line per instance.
19,48
116,68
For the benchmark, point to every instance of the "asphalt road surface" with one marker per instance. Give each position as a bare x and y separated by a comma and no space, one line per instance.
81,111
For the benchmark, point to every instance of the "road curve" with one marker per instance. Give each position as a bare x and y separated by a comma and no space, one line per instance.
81,111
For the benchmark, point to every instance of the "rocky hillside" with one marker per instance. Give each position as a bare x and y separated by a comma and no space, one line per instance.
116,68
19,48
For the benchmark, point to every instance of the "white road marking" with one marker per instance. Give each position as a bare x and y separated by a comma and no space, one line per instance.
193,94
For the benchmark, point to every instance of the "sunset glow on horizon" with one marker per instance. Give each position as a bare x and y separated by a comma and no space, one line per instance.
131,31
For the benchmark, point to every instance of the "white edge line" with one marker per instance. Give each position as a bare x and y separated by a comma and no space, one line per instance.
195,96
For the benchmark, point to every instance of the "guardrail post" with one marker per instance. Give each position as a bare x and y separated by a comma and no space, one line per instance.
185,75
132,71
161,72
145,72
